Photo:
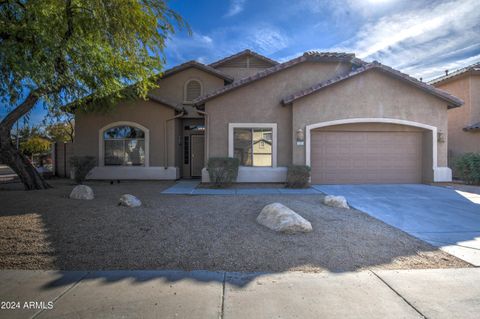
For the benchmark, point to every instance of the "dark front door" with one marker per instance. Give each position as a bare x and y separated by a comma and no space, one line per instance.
197,155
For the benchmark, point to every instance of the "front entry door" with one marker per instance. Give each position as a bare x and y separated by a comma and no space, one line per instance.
197,155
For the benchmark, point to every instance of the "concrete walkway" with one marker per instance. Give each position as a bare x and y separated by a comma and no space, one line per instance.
443,217
190,188
447,293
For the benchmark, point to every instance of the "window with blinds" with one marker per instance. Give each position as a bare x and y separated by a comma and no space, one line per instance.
193,90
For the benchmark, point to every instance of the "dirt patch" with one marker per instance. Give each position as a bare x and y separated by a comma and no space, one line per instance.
46,230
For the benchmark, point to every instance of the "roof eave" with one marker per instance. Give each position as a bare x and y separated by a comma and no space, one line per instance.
162,101
239,54
199,66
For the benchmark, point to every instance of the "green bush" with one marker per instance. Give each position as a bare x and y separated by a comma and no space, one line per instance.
298,176
82,165
223,171
467,168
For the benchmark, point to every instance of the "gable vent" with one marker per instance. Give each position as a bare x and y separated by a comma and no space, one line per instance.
193,90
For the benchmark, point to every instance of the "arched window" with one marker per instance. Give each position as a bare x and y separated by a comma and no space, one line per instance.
193,89
124,145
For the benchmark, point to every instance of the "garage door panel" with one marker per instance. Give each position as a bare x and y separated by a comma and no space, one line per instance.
366,157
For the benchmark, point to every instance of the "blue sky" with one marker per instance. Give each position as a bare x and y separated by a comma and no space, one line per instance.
421,38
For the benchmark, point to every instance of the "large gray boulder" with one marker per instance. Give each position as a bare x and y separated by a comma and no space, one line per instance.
128,200
82,192
280,218
336,201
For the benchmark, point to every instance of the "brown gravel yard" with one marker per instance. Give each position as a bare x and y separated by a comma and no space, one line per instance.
46,230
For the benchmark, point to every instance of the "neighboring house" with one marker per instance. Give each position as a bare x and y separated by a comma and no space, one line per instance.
351,121
464,122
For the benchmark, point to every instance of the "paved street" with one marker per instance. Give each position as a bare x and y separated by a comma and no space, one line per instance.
446,293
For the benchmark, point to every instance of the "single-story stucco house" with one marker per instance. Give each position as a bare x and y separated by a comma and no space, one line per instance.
351,121
463,122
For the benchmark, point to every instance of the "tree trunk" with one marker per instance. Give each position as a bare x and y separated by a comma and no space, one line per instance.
29,176
12,157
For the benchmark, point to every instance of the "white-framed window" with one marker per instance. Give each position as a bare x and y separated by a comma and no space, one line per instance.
254,144
193,89
123,144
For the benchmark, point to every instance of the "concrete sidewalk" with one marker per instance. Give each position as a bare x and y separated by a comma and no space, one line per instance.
445,293
190,188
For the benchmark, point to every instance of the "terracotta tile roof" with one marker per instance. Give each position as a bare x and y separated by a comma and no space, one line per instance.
472,127
474,68
198,65
306,57
177,107
244,52
452,100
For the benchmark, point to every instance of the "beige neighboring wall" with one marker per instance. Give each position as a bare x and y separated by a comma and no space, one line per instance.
468,89
172,87
259,102
149,114
370,95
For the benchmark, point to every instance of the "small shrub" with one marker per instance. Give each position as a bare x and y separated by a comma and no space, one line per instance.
298,176
223,171
467,167
82,165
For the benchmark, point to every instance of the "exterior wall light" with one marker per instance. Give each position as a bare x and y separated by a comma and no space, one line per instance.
440,137
300,136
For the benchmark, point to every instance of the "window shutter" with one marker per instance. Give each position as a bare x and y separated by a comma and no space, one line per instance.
194,90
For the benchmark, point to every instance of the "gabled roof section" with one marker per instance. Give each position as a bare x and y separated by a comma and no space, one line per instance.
198,65
473,127
218,63
306,57
158,99
452,100
471,69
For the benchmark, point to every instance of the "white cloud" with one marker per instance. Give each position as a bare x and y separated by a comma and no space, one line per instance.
236,6
421,41
269,40
221,42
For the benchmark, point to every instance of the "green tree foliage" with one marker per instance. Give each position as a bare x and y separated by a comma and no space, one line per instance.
60,125
35,145
58,51
467,167
60,132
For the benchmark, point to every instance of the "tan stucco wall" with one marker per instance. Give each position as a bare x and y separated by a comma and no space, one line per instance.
475,96
146,113
370,95
172,87
371,127
468,89
149,114
259,102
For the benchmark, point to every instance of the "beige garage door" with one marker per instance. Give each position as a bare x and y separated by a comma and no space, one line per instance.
366,157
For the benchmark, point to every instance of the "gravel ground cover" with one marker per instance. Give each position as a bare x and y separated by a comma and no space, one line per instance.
46,230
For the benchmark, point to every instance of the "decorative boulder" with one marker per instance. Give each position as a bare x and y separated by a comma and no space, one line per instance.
129,201
280,218
82,192
335,201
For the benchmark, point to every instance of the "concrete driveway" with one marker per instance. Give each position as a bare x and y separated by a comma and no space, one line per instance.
441,216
